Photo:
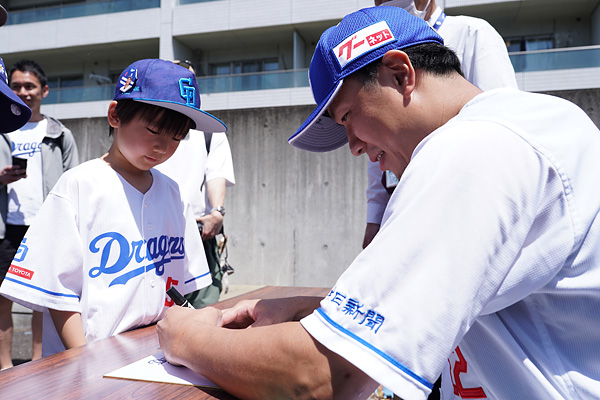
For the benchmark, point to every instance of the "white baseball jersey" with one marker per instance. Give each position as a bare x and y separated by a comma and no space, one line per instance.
100,247
190,166
25,196
487,261
485,63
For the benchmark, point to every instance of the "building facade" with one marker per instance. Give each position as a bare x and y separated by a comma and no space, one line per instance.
294,218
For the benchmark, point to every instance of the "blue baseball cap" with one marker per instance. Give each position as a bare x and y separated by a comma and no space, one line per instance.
359,39
13,112
164,84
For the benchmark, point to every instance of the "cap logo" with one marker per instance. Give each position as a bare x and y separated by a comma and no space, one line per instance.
363,41
3,73
15,109
187,91
128,80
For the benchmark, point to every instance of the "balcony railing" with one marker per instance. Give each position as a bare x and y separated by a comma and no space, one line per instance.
80,94
556,59
206,85
256,81
542,60
78,10
193,1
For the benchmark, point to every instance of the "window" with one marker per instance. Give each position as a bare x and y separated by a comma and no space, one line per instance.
244,67
529,44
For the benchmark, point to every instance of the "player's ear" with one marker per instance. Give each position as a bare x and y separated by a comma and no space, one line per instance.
113,120
399,71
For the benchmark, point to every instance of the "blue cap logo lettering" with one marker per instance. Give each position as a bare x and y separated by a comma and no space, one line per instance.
187,91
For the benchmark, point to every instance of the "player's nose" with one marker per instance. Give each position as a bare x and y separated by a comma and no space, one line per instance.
357,146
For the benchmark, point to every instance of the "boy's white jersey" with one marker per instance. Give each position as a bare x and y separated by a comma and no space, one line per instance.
100,247
487,264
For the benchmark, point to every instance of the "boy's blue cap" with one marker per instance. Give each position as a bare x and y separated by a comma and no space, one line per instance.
13,112
359,39
164,84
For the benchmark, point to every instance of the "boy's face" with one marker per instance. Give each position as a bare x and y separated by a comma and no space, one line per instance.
142,146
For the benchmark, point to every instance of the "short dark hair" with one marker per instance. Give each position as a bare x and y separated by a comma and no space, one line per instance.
431,57
31,67
166,121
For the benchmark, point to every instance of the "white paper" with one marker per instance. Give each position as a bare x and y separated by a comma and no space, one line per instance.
155,368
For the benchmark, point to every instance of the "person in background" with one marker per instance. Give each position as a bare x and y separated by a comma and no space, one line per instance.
13,115
203,168
50,149
485,63
487,260
114,234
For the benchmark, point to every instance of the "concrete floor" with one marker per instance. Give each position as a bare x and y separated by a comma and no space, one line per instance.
22,324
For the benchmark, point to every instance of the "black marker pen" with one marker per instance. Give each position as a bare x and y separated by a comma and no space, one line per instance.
178,298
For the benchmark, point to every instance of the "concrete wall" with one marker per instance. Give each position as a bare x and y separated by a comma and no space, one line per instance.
294,217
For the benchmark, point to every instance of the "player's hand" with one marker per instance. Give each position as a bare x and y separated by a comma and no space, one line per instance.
254,313
181,323
12,173
370,232
211,225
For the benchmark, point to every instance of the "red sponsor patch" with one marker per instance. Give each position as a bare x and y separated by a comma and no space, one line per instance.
379,37
22,272
362,42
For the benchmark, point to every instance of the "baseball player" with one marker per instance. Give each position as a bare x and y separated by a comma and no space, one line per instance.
114,234
484,61
487,259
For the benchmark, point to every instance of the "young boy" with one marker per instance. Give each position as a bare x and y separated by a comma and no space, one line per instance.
114,234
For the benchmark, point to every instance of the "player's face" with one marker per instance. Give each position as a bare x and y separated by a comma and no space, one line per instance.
29,89
142,146
376,123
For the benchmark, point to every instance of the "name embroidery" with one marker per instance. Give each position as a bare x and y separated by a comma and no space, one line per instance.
159,251
366,317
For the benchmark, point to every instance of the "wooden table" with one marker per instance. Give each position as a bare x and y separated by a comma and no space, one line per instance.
78,373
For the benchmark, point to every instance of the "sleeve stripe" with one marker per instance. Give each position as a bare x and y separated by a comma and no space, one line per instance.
41,289
197,277
392,361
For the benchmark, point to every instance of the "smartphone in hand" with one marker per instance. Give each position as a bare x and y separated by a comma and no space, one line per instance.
21,162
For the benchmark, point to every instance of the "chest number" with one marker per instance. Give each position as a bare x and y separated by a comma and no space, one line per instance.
460,366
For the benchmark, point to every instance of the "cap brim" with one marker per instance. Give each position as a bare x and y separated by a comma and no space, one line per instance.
320,133
13,112
203,120
3,15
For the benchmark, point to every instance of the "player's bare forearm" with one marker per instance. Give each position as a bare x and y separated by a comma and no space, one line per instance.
269,311
69,327
272,362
